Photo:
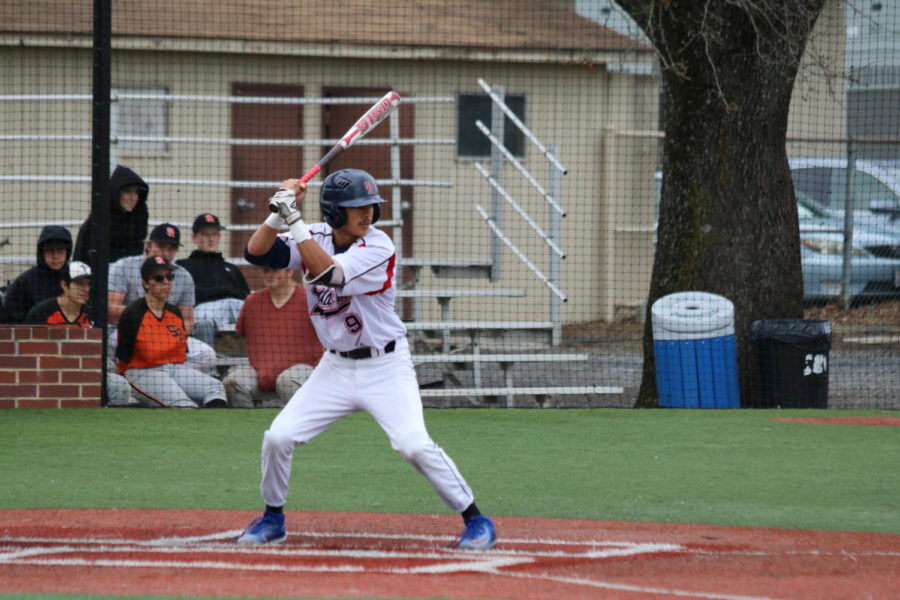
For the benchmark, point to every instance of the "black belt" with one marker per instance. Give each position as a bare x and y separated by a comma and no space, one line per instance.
363,352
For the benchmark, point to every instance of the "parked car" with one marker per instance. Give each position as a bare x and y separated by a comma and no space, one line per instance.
822,182
874,259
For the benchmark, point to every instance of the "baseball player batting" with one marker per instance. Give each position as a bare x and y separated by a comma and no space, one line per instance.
348,270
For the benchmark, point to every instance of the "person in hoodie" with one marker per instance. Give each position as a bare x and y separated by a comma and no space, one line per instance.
128,219
219,286
54,248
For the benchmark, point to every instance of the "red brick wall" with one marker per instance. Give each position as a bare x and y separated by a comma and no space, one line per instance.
49,367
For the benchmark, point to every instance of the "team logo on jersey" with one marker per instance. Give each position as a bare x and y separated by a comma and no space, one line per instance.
328,303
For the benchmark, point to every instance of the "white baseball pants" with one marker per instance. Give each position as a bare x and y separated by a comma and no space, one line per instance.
383,386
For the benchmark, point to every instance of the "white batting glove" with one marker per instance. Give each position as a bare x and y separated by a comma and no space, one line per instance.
284,204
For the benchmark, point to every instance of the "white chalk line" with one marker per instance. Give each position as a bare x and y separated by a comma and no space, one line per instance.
631,588
597,548
271,551
88,545
485,564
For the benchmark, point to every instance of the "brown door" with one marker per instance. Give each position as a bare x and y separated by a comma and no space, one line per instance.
336,120
261,163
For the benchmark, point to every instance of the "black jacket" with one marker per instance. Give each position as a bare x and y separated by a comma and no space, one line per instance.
127,231
39,282
214,278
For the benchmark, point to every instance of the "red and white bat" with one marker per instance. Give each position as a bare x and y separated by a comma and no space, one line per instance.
375,115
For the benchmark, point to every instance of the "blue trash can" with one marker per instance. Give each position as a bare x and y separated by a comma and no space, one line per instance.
695,350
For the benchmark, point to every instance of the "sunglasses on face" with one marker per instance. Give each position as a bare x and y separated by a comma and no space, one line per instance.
161,278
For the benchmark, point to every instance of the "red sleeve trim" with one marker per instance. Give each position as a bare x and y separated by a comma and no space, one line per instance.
389,272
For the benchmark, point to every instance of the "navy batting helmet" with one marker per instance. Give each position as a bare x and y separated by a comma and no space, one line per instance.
347,187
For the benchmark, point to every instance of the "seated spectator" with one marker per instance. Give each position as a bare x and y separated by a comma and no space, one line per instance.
152,345
219,286
127,220
125,286
68,310
54,247
281,343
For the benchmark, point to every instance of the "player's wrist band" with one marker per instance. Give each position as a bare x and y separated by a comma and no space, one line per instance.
300,231
275,221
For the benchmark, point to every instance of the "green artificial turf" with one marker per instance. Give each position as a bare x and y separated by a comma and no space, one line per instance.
736,467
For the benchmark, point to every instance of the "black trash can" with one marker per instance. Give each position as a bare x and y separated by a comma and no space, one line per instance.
791,362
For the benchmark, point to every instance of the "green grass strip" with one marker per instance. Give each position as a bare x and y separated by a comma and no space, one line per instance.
736,467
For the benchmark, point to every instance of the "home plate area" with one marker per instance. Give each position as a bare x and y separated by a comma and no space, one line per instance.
191,553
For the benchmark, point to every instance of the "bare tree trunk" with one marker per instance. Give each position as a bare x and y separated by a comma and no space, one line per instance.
728,217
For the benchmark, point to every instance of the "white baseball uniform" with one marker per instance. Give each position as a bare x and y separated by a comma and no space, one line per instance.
356,317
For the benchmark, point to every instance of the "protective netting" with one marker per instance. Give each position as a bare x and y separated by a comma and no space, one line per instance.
521,172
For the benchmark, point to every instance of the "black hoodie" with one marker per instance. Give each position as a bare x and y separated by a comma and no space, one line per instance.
39,282
127,231
214,278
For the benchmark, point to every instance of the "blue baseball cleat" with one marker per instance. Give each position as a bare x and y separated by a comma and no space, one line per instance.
267,529
479,534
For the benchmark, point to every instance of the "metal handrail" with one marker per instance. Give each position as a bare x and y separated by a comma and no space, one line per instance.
556,211
518,123
515,162
525,216
521,255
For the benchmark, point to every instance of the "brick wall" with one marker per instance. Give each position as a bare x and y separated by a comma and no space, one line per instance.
49,367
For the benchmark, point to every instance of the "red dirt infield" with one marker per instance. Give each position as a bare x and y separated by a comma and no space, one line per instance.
348,555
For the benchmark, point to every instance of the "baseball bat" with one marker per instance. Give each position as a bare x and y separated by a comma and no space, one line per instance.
147,395
366,123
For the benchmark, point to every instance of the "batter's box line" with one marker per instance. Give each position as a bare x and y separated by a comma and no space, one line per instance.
517,557
275,551
232,534
599,550
483,563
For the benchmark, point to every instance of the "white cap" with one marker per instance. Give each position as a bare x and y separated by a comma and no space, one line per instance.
78,270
